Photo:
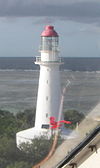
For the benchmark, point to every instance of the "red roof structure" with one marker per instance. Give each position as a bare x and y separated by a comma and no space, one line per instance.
49,32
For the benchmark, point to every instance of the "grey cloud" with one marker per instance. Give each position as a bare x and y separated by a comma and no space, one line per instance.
82,11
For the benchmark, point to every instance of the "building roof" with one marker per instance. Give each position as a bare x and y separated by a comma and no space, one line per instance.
49,32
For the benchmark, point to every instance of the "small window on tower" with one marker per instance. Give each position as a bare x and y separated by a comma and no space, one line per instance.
46,126
47,69
46,97
46,115
47,81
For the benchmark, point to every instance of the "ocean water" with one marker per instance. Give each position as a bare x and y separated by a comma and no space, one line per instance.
19,83
27,63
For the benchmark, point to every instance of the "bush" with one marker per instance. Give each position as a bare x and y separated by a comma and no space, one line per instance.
30,154
74,116
19,165
26,119
8,124
10,155
37,150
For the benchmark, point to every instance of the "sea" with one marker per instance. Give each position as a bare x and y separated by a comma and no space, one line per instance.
19,83
27,63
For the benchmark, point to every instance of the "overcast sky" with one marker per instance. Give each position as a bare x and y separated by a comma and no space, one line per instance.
76,21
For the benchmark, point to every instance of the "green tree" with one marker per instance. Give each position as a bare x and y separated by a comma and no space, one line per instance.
30,154
37,150
8,124
26,119
8,148
3,162
21,164
74,116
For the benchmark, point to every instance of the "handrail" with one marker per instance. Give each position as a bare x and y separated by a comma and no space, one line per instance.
78,148
38,59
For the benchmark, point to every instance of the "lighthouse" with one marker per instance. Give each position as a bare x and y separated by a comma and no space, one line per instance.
49,88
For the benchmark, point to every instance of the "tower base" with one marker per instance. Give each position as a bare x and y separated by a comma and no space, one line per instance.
26,136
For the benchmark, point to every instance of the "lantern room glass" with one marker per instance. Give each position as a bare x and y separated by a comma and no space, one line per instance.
49,43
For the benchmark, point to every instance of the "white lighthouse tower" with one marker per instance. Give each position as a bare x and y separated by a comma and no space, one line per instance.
49,90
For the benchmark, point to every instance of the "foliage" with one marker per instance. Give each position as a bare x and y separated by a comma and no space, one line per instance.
30,154
10,155
7,123
74,116
27,118
3,162
10,123
37,150
21,164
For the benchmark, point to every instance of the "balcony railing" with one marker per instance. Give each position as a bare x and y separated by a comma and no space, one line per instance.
39,60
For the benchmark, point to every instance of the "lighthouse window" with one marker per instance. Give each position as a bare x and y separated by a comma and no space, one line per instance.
46,115
46,97
47,69
46,126
47,81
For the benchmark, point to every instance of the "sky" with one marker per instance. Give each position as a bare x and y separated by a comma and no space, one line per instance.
76,21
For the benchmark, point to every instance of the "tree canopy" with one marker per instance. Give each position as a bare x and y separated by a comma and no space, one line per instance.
74,116
30,154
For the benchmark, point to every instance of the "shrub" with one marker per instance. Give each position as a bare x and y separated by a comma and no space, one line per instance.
74,116
21,164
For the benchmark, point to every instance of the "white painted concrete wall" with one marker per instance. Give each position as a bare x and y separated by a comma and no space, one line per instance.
93,161
49,56
49,94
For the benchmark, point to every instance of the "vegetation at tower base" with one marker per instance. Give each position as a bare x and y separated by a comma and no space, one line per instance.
74,116
30,154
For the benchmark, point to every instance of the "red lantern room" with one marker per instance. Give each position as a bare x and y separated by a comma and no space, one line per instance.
49,32
49,39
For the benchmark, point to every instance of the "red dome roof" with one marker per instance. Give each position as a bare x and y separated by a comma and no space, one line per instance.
49,32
